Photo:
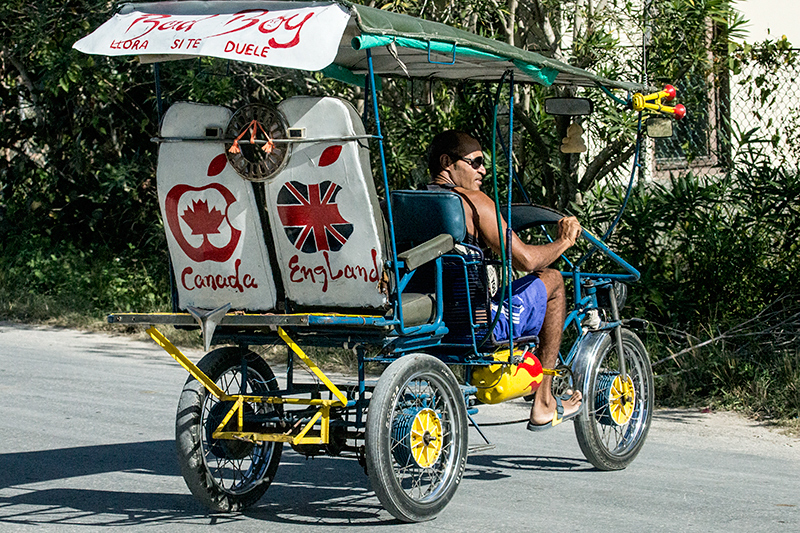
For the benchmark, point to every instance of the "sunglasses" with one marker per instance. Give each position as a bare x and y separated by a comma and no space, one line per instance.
474,163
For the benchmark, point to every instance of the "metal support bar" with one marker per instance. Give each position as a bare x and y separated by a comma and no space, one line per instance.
477,427
346,138
360,354
313,367
300,438
618,333
322,415
235,409
184,361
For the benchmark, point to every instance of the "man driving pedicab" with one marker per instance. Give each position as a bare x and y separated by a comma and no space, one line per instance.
455,163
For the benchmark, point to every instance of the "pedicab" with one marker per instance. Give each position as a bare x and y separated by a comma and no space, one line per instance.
276,234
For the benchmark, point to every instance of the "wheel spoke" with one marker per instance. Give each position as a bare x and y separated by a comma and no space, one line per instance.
613,432
423,446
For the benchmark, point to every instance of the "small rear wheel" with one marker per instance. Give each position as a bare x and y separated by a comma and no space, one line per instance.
416,437
226,475
612,427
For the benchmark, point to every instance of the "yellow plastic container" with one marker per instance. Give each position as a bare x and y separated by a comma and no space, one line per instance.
498,383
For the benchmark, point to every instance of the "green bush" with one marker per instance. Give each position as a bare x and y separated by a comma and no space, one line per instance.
719,263
41,279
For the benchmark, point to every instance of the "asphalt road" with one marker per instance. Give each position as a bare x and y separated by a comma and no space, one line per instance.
86,442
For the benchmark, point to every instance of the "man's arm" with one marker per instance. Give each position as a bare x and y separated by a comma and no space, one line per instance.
525,257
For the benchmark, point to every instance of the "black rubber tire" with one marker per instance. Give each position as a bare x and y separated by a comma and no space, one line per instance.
409,492
606,445
224,475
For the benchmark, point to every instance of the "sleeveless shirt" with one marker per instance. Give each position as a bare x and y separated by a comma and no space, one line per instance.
472,240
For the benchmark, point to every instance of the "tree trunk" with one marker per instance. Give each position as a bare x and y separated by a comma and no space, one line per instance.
512,22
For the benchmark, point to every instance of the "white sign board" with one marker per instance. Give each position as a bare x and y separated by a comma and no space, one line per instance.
280,34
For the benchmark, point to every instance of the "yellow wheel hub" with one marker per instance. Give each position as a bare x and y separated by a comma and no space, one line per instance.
426,438
621,399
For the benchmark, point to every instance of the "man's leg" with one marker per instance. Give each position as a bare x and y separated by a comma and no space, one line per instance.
544,404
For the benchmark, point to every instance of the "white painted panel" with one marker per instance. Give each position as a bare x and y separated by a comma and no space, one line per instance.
282,34
324,215
214,233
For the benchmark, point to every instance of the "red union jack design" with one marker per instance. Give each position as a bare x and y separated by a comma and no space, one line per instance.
311,218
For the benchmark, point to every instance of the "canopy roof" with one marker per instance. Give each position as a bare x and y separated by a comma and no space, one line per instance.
330,36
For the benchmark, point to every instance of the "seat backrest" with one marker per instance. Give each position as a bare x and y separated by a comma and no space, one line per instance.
421,215
213,228
324,212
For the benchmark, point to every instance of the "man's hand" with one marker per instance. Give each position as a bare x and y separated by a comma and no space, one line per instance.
569,229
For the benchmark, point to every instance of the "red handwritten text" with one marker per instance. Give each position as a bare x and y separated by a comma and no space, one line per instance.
284,29
164,22
324,273
272,25
246,49
217,281
130,44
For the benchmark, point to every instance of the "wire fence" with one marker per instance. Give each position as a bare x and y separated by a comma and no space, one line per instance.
752,105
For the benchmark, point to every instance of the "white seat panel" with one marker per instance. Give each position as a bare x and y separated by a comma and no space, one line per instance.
324,213
214,233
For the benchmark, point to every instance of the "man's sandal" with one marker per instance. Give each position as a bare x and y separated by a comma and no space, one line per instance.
558,417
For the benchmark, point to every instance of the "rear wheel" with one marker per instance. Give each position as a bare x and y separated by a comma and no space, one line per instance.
613,425
226,475
416,437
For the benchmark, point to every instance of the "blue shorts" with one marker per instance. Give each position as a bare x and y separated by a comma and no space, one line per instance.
528,302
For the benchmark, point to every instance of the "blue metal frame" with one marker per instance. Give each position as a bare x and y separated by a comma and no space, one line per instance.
407,338
398,339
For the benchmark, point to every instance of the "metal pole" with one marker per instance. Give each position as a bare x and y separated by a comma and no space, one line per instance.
618,333
379,136
509,266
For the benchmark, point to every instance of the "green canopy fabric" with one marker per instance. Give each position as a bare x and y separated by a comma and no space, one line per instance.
403,45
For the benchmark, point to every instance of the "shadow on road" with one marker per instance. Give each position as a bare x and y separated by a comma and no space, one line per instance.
323,491
22,502
493,467
35,489
156,457
681,416
101,508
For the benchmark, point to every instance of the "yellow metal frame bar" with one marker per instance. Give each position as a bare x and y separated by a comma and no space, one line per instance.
237,409
313,367
198,374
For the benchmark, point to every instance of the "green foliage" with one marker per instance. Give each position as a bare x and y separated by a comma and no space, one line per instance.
41,278
719,259
719,247
753,367
683,31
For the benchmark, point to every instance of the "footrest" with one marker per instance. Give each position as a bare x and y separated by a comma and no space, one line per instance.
468,390
478,448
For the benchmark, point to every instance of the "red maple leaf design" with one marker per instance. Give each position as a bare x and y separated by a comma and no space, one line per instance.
201,220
